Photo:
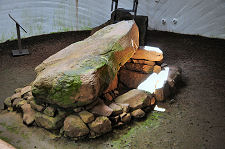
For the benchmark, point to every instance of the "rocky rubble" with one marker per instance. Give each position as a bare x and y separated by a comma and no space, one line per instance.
110,107
92,120
91,123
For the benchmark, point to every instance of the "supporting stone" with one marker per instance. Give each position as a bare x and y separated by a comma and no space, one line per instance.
148,53
131,78
138,114
135,98
28,114
86,116
101,109
74,127
101,125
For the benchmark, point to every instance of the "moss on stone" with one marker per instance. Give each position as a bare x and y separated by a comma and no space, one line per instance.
48,122
103,62
67,85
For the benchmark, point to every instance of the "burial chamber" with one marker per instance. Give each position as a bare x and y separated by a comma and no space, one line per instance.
95,85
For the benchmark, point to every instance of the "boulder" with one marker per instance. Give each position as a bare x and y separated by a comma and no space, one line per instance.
74,127
7,102
36,106
16,101
86,116
163,93
125,107
16,96
168,89
27,95
25,90
148,53
76,75
116,109
135,98
50,111
48,122
138,113
30,98
101,109
28,114
131,79
101,125
20,104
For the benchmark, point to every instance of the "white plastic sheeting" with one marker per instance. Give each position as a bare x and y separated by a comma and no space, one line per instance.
202,17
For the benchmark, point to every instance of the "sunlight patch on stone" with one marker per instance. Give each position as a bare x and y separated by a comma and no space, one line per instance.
156,49
159,109
154,81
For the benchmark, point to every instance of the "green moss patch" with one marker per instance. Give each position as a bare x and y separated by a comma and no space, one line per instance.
67,85
126,140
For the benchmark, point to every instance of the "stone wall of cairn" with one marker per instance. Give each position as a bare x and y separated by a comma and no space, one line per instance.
112,109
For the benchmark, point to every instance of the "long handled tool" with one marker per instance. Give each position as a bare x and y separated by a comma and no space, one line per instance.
20,51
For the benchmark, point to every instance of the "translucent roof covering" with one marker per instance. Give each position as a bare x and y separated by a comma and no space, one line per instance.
38,17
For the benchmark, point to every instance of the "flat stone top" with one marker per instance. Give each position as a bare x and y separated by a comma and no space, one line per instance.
135,98
148,53
91,46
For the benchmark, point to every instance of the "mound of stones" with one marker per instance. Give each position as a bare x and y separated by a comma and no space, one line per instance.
77,92
87,121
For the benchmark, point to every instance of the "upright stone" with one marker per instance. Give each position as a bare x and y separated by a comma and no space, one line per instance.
28,114
74,76
101,125
132,79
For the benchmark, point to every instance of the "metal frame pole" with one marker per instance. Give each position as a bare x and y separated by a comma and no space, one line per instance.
18,37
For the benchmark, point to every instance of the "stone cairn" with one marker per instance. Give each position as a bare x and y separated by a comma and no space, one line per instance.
77,91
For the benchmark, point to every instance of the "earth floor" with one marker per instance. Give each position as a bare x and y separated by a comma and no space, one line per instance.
196,118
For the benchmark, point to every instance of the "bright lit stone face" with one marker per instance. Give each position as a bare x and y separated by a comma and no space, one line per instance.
159,109
154,81
148,53
155,49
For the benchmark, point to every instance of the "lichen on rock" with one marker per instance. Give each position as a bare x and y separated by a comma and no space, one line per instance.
76,75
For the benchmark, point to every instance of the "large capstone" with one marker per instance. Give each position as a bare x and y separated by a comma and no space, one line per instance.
76,75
